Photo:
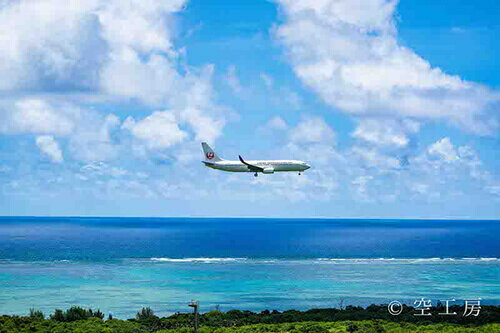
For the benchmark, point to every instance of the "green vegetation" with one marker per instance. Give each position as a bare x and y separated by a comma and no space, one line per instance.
73,314
373,319
146,314
343,327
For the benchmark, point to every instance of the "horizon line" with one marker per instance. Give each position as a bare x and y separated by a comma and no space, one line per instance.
261,217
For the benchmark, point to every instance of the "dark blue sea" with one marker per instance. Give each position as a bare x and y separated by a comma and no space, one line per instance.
122,264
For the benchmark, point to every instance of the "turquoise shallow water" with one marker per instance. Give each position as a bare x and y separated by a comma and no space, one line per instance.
122,287
120,266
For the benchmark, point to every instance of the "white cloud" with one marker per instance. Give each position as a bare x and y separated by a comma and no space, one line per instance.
281,96
447,168
36,116
494,189
142,25
49,146
386,132
444,150
151,81
65,47
267,79
114,50
372,172
87,131
360,185
93,136
232,80
373,158
50,51
347,51
312,129
101,169
93,139
118,48
205,126
143,62
275,123
419,188
160,130
287,98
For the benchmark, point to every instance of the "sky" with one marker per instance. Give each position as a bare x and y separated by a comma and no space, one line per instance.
394,104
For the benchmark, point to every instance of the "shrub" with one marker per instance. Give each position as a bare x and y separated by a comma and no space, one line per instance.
352,327
313,328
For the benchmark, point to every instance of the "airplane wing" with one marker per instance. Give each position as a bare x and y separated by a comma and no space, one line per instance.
250,166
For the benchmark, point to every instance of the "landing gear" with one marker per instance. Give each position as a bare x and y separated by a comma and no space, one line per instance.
255,174
299,173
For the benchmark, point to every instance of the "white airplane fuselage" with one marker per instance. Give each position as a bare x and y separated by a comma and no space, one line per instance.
268,166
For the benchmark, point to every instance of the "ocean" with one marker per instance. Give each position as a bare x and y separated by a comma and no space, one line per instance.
122,264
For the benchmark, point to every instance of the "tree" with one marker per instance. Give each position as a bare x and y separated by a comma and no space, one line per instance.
58,315
145,314
77,313
98,314
36,314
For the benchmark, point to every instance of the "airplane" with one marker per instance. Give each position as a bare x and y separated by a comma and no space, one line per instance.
212,160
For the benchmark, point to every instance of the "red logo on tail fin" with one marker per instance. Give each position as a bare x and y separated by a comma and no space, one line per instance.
210,155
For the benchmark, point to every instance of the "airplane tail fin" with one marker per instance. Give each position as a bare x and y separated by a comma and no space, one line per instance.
209,153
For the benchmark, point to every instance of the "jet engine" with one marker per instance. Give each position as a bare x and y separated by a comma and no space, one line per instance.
268,170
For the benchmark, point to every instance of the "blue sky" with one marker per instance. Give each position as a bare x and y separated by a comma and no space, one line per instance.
394,104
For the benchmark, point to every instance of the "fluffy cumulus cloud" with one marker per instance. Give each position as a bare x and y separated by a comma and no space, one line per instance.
158,131
386,132
445,169
88,132
374,158
276,123
444,150
375,168
312,129
37,116
52,51
88,45
348,53
50,147
106,51
96,138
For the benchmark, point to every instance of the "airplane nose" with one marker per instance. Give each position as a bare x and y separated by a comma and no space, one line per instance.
307,166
